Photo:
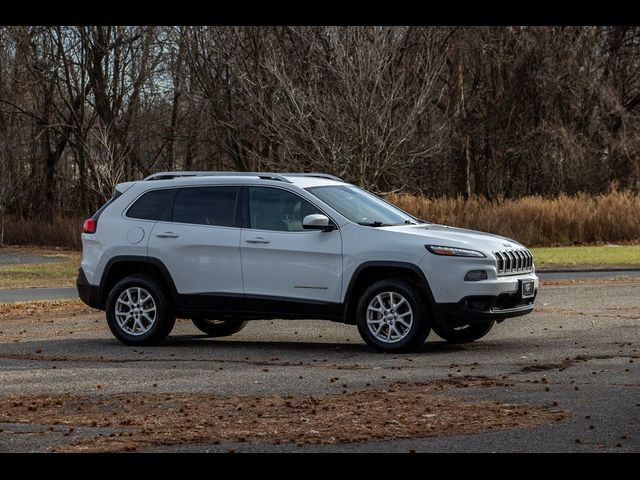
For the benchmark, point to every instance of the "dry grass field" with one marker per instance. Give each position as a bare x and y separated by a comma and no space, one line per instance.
535,221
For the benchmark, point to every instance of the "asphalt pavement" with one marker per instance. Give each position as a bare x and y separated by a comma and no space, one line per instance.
12,257
35,294
578,353
585,274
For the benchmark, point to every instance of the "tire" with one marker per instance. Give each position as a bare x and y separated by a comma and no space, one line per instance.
218,328
139,327
466,333
378,330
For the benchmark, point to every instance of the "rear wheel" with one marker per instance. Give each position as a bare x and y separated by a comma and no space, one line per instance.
218,328
465,333
138,312
391,316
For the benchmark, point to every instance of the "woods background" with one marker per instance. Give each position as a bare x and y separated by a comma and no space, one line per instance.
497,113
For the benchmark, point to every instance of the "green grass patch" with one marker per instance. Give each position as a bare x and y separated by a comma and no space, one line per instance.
63,274
588,256
58,274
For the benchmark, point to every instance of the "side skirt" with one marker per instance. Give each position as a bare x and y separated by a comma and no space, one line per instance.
212,305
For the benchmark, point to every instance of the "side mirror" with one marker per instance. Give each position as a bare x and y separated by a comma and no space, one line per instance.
317,222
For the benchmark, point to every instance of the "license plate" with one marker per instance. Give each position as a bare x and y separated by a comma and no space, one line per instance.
527,289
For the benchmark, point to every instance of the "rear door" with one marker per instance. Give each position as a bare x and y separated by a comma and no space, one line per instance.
198,240
281,260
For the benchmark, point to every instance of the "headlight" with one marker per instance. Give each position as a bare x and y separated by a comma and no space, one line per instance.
454,251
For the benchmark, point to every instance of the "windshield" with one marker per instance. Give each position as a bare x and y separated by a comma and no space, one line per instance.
362,207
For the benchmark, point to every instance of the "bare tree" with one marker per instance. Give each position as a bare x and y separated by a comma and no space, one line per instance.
360,102
107,161
493,111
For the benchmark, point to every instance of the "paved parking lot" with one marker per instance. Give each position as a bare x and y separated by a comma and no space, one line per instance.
566,378
10,256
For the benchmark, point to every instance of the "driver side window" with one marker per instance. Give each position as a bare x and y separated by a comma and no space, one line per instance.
276,209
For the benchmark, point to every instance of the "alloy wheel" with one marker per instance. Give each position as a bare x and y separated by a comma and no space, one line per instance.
389,317
135,311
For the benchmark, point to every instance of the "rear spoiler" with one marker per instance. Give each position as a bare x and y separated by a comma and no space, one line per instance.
124,186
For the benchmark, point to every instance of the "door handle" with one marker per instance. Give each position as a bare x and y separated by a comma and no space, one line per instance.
167,235
257,240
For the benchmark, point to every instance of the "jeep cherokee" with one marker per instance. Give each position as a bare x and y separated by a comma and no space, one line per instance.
222,248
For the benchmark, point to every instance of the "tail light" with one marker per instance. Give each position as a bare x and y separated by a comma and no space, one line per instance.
89,226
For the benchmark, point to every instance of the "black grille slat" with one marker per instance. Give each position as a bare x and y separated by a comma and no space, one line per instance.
513,262
500,262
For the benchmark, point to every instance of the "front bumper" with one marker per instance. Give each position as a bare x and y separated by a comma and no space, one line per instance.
483,308
89,294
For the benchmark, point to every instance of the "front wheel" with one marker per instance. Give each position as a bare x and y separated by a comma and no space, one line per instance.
218,328
465,333
391,316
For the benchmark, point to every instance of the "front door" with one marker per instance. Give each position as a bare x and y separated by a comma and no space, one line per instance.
281,261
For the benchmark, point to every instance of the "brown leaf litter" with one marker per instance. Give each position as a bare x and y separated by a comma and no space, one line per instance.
46,307
398,411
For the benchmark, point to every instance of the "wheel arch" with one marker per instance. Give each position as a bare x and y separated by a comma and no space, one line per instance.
122,266
372,271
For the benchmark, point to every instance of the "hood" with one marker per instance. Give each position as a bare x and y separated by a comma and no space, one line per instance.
443,235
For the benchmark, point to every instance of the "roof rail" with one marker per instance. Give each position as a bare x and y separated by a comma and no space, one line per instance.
315,175
171,175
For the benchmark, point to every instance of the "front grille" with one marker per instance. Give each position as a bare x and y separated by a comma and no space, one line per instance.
512,262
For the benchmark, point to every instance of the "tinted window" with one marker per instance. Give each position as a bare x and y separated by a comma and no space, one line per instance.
206,206
150,205
275,209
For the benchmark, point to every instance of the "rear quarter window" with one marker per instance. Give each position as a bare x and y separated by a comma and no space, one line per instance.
150,205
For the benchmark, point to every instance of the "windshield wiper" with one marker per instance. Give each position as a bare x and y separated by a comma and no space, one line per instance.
372,224
380,224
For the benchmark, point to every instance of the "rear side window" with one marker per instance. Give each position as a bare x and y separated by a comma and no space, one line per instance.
150,205
206,206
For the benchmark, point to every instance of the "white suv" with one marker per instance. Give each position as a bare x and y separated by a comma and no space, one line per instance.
223,248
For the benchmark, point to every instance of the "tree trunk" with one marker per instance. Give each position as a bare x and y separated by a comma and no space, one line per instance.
468,168
173,128
82,170
1,225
